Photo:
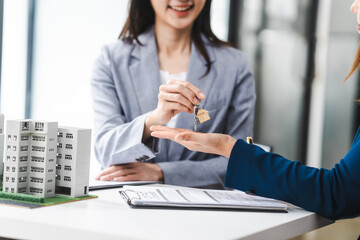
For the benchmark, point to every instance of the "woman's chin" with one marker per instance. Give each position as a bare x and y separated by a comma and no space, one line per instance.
181,24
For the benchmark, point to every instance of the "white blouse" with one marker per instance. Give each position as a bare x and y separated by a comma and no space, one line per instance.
164,78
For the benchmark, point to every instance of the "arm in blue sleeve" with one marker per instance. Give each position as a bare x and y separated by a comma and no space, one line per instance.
333,193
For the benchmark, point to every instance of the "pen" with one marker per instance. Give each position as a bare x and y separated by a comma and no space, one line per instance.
249,140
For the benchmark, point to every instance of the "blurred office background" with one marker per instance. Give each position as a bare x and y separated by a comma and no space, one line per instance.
300,50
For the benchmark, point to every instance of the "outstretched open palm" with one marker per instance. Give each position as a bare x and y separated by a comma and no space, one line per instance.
215,143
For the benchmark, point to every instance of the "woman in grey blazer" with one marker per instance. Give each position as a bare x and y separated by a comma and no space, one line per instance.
166,61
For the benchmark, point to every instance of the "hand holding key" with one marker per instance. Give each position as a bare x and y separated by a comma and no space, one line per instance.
174,97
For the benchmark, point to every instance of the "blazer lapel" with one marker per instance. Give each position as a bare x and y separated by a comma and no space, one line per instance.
144,71
197,68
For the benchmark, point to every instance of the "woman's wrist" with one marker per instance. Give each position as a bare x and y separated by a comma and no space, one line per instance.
148,123
228,146
160,174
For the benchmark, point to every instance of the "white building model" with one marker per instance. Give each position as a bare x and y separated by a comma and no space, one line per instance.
33,153
1,147
30,157
73,165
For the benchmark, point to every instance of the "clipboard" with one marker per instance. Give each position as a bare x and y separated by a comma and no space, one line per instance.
191,198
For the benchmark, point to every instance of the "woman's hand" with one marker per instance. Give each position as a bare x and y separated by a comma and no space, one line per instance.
215,143
137,171
174,97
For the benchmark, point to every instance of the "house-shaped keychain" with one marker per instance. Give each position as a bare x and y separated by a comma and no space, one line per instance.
201,115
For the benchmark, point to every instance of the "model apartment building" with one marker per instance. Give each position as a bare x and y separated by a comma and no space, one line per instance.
2,139
34,159
30,163
73,165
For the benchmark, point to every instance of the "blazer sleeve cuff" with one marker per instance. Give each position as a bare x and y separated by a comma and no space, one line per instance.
136,150
139,152
238,172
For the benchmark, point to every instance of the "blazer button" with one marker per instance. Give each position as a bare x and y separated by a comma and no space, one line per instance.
145,157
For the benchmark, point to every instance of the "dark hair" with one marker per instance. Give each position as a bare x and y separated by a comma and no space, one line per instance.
142,16
355,64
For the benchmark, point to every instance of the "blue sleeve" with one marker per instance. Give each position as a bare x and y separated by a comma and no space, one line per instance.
333,193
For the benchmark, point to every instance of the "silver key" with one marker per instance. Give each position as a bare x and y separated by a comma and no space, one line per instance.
196,120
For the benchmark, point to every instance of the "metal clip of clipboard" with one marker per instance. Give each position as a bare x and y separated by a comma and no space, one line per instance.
127,197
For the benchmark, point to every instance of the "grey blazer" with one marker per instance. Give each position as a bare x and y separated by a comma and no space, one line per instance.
125,84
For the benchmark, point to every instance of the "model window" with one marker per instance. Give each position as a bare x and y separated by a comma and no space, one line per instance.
8,147
50,170
24,148
58,177
22,179
25,126
13,169
60,134
36,180
8,158
69,135
59,156
37,159
7,168
37,149
39,126
68,146
22,169
67,156
51,160
58,167
14,159
68,168
37,169
22,190
23,158
36,190
25,138
9,137
59,145
7,179
66,178
38,138
15,137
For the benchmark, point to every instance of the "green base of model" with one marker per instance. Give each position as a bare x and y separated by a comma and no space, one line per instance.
32,201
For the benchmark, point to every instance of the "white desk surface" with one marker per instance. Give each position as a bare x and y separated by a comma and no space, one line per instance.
109,217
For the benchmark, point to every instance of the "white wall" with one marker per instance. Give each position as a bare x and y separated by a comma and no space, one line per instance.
14,59
68,38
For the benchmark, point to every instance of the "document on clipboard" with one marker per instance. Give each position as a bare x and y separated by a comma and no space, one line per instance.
180,197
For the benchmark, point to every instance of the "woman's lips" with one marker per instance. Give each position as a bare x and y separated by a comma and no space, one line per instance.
181,10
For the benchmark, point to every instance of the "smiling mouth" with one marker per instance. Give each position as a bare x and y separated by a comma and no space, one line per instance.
181,9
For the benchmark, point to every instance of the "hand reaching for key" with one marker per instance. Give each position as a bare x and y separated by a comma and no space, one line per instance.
215,143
